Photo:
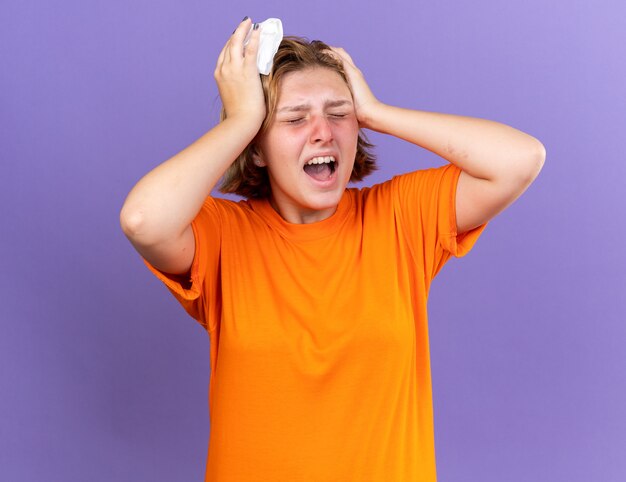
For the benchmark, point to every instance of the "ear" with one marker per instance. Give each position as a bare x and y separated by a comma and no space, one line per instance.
256,157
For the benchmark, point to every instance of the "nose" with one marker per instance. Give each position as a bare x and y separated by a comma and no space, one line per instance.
321,130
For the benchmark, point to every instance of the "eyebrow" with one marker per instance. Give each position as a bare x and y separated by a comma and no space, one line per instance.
305,107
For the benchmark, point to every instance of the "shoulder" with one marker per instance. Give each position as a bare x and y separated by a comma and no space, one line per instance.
225,208
417,182
428,176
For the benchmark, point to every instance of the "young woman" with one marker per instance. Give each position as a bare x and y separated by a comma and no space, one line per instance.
314,294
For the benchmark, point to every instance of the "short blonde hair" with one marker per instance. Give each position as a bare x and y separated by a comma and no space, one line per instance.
246,179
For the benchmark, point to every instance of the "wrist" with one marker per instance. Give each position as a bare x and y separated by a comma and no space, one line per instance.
245,125
369,115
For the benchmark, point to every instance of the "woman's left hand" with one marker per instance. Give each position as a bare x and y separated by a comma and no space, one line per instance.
365,103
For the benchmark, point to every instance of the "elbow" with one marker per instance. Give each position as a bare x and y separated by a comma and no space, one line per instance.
533,163
132,222
541,155
539,160
143,229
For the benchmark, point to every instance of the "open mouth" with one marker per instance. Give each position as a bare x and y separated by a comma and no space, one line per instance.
321,168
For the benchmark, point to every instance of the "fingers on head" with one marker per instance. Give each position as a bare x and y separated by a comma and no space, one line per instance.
240,33
223,60
243,26
341,53
236,39
333,53
252,47
234,49
222,55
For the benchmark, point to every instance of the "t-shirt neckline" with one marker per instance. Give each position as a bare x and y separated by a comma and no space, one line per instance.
305,232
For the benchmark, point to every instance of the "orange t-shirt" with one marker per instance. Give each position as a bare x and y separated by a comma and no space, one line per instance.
320,365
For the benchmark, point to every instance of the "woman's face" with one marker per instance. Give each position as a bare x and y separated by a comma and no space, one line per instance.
314,120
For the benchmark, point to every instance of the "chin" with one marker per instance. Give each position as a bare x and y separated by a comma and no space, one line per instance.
325,200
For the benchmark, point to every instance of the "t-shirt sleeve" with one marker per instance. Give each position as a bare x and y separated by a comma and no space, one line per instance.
198,293
426,200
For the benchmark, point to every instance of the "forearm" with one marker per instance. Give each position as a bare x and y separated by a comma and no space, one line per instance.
484,149
165,201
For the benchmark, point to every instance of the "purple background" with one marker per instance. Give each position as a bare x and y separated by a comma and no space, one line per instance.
104,377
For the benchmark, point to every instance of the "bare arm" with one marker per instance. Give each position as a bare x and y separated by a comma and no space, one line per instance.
156,216
498,162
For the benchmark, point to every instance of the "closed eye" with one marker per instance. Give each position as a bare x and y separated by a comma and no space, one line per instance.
300,119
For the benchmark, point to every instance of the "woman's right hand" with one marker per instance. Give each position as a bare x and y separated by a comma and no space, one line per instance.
158,212
238,79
